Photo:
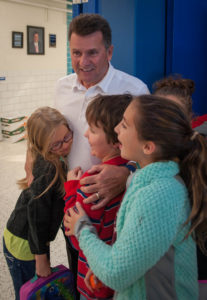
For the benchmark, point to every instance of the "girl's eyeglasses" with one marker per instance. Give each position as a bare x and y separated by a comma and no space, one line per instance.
57,145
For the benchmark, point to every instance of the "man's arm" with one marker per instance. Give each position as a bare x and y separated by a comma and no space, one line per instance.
108,183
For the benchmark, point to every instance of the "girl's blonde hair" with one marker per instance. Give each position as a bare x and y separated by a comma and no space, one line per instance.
41,126
166,124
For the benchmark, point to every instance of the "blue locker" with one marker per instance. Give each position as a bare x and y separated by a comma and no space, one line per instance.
153,39
138,35
187,45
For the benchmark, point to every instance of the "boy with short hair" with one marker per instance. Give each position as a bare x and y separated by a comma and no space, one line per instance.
102,115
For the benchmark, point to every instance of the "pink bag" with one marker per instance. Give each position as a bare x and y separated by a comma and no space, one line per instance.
59,285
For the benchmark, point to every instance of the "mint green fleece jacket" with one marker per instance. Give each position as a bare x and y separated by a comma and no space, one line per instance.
149,259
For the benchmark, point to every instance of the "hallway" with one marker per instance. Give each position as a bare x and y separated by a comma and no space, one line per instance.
12,157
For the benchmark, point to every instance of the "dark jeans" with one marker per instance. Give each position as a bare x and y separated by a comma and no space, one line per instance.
72,260
21,271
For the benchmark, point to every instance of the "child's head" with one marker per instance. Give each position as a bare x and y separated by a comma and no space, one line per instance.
153,119
48,133
158,129
103,114
177,89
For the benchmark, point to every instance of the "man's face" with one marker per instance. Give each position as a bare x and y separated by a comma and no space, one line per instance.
90,58
36,37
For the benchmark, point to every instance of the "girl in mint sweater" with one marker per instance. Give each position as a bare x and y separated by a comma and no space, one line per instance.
154,255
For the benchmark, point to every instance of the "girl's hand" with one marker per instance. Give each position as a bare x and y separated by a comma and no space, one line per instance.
75,214
92,282
42,265
87,280
75,174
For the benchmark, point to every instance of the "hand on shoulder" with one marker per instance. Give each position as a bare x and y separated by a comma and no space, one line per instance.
106,185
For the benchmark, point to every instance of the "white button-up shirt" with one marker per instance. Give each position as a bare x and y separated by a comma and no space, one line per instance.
72,99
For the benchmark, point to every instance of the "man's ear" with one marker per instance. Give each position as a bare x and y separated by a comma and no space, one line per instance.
149,148
110,52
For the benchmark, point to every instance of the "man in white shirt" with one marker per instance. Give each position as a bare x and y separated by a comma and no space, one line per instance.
91,52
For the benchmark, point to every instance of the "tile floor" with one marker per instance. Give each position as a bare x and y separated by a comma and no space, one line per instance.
12,157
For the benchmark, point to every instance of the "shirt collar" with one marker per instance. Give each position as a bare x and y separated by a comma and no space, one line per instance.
102,85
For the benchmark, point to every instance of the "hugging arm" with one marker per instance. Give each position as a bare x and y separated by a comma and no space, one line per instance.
41,210
140,244
108,183
38,234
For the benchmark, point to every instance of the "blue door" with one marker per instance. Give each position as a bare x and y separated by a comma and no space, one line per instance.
187,45
138,34
153,39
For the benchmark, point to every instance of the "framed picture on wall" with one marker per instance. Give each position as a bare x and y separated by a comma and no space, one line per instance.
17,39
35,40
52,40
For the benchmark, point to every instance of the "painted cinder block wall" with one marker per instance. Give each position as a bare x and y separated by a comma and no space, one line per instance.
30,79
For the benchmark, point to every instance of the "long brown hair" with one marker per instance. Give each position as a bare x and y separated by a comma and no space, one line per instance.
41,127
166,124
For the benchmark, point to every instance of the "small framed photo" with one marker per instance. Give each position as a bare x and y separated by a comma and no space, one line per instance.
52,40
35,40
17,39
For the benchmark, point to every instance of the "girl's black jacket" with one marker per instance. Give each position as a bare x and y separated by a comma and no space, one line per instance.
38,219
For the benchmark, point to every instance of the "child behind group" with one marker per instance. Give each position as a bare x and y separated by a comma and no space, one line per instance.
102,115
181,90
154,255
38,213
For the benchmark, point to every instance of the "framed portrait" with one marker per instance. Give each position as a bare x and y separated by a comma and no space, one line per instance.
17,39
35,40
52,40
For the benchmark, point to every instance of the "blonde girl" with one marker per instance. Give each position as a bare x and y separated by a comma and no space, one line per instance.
38,213
154,256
